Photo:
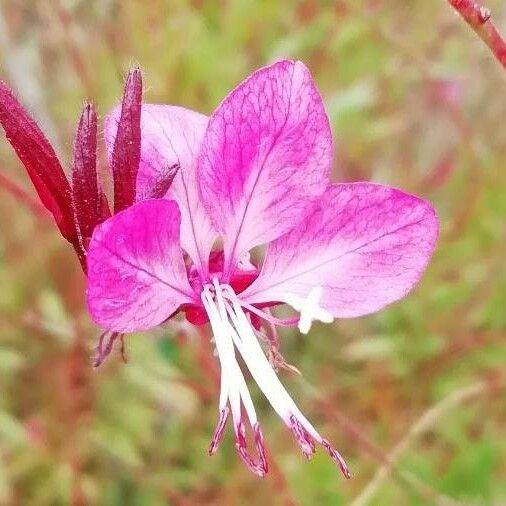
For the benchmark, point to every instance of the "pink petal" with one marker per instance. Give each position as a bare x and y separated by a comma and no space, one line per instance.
266,152
136,273
172,135
126,149
366,245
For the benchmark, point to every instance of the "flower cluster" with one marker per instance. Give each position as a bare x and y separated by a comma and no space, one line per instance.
194,198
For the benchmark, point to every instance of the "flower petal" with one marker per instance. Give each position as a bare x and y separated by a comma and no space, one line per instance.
267,151
136,273
365,244
172,136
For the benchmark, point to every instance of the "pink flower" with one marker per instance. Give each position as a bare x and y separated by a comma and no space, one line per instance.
256,172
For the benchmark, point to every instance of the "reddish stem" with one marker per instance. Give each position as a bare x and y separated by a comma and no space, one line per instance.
23,196
479,19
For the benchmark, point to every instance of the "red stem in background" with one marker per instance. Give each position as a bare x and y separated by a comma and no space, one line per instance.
23,196
479,19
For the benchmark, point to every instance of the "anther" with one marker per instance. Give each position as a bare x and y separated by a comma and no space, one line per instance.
218,432
337,458
261,468
303,438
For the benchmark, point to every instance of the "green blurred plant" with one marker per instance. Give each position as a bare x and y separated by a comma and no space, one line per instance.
414,101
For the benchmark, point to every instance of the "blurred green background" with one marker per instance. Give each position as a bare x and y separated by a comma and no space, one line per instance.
413,396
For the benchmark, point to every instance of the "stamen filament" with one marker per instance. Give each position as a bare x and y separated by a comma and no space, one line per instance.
234,390
231,371
234,366
287,322
232,330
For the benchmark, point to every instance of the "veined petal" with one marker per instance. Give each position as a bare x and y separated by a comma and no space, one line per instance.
40,161
266,153
136,273
171,136
365,245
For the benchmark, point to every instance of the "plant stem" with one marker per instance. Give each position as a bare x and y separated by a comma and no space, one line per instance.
426,422
480,20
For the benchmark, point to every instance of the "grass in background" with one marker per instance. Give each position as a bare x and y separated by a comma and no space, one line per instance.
415,100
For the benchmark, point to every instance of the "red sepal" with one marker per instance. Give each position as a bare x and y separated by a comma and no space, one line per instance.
41,163
127,145
90,202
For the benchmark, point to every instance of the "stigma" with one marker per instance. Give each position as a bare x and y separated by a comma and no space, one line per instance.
309,309
235,337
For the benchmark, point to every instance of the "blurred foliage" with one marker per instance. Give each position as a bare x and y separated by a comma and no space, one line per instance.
415,101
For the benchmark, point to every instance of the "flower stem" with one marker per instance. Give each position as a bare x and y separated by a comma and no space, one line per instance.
480,20
427,421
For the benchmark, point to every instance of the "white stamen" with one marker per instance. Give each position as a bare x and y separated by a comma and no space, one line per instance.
262,371
309,308
233,330
289,322
233,384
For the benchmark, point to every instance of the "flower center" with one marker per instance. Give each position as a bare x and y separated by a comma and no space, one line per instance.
233,332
